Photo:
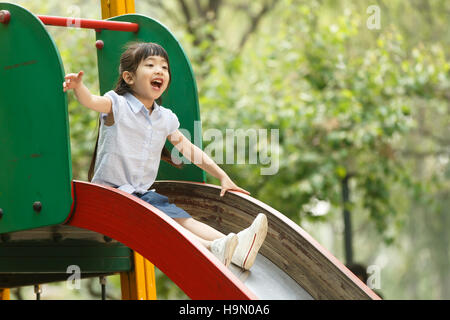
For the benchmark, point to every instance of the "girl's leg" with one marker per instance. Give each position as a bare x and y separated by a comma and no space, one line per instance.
221,246
204,242
200,229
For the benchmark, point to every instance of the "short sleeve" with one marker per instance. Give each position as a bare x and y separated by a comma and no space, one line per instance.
118,102
174,124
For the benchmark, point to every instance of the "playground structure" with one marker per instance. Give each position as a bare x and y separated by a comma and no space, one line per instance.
49,222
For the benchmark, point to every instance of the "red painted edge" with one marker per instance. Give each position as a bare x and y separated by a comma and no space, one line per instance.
158,238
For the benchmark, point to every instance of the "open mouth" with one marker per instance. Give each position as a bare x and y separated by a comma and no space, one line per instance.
157,83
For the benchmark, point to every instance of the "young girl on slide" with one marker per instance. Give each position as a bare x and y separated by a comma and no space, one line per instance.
133,130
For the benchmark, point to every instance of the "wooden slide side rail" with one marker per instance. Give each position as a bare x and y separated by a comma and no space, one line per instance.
287,245
158,238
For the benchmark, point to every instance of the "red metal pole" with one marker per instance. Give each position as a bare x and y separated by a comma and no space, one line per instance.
89,23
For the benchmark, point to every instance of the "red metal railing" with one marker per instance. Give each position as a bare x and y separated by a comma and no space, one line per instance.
89,23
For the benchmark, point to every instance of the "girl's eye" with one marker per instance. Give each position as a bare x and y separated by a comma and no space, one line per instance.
165,67
150,65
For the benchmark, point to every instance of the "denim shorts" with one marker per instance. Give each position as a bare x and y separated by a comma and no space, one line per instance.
162,203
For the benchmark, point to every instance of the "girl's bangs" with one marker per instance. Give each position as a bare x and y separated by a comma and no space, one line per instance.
151,49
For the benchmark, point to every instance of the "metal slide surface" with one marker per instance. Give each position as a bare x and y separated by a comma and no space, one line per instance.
269,282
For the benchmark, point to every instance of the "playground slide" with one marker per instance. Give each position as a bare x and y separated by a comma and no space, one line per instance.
291,265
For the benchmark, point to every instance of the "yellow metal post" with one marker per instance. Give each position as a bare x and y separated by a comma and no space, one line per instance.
138,284
4,294
150,282
112,8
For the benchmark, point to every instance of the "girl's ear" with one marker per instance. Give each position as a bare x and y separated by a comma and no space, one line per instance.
128,77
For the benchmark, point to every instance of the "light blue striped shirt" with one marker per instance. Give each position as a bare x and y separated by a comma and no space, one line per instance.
129,151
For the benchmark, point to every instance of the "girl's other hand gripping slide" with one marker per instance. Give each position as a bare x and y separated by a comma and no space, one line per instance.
228,184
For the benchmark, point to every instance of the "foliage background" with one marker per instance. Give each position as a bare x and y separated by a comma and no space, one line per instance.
370,105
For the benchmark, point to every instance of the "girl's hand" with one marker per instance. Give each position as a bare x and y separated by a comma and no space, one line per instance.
73,80
227,184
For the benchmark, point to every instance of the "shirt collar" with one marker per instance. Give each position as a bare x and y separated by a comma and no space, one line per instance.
137,105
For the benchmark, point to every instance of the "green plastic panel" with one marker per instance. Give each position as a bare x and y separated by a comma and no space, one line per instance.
181,97
47,256
35,163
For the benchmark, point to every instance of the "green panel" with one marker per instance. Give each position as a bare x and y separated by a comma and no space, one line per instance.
51,257
181,97
35,160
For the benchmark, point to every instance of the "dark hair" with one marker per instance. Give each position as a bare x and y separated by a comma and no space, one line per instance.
129,61
359,270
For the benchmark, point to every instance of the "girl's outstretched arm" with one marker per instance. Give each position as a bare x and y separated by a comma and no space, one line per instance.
203,161
75,81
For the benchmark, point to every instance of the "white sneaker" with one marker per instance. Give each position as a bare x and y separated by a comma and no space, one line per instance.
250,240
223,248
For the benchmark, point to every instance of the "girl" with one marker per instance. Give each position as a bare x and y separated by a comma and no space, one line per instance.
132,133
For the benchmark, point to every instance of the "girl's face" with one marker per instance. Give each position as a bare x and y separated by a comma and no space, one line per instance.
151,78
